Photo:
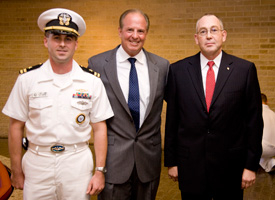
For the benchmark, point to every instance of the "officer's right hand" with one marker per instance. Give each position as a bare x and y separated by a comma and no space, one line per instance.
17,180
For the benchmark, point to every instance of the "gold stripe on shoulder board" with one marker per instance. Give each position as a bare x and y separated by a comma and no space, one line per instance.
90,71
97,74
22,71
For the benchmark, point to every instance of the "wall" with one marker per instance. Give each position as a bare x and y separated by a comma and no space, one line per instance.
250,25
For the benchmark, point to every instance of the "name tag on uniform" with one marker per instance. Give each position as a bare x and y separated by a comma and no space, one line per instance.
39,94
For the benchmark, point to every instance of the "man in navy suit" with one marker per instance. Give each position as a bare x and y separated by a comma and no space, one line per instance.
213,136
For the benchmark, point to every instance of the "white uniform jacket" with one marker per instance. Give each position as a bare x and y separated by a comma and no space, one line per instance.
54,112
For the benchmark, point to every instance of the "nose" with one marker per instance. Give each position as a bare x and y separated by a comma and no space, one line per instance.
208,34
62,43
135,34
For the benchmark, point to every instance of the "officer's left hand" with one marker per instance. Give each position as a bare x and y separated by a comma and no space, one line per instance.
96,184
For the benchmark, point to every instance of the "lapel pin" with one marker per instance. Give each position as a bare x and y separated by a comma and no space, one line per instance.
228,68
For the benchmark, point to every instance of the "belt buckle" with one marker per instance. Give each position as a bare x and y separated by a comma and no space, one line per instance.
57,148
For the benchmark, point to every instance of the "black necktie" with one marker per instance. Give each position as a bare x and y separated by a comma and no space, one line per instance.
133,98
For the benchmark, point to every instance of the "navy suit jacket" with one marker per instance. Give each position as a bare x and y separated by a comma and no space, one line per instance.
212,149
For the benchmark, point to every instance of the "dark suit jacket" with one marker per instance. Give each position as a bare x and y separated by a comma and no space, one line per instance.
212,149
127,148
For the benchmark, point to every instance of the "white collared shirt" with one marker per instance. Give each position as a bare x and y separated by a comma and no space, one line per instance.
123,72
204,67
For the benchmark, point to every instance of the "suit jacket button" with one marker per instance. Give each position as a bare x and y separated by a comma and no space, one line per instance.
136,139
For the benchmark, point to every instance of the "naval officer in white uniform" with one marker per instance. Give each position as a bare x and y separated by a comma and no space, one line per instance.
58,103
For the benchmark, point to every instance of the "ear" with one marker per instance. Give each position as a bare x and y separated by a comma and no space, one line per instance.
46,42
119,31
224,35
196,38
76,45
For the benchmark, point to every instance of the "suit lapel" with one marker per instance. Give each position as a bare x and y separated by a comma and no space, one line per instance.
111,74
225,70
153,71
194,70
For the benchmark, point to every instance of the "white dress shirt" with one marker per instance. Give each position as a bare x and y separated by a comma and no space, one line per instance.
123,72
205,67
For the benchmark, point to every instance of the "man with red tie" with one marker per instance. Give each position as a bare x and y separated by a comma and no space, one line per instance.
214,119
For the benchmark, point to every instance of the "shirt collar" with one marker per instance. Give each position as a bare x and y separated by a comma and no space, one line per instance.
47,72
77,72
204,61
122,56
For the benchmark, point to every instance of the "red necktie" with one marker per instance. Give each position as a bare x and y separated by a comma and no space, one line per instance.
210,84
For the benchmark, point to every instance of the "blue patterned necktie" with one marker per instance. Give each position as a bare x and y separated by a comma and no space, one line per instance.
133,98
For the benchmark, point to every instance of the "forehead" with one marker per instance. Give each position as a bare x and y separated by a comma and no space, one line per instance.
62,35
208,21
134,18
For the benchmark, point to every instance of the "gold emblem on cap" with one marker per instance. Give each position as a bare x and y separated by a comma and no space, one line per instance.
64,19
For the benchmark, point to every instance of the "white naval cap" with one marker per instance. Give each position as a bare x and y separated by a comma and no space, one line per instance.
62,21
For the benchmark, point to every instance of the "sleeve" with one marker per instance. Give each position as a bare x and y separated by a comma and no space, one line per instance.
101,108
17,105
254,120
171,127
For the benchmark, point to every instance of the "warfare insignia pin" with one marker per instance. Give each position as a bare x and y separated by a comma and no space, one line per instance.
80,118
83,103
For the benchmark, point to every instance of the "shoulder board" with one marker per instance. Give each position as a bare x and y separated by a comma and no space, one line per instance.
90,71
22,71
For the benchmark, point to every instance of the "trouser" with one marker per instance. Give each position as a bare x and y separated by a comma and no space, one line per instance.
57,176
133,189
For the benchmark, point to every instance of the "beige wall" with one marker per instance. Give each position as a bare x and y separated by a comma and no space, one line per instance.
250,25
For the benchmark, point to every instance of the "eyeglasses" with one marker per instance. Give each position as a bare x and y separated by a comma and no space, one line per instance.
213,31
